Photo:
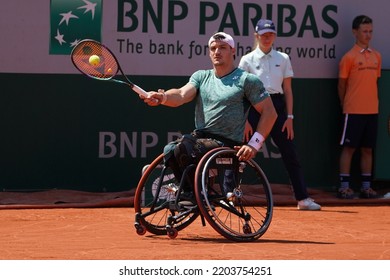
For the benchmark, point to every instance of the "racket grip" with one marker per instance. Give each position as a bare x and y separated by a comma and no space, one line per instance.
139,90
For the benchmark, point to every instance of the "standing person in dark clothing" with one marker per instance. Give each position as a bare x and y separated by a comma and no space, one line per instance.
275,71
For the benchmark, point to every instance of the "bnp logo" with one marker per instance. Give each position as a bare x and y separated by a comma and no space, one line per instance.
72,21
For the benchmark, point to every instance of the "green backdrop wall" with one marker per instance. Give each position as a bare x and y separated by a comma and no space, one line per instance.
382,162
56,132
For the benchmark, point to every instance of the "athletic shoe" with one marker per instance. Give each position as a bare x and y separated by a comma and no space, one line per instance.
368,193
345,193
187,196
230,196
308,204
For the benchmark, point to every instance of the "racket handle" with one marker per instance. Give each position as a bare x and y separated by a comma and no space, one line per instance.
139,90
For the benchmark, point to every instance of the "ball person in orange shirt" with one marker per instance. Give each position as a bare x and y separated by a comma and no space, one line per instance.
359,70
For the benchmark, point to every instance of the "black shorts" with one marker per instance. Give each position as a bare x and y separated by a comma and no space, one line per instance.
360,130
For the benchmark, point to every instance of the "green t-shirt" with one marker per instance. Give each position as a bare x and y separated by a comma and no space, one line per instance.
222,103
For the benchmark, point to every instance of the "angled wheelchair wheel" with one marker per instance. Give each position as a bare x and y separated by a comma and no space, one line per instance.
155,204
234,197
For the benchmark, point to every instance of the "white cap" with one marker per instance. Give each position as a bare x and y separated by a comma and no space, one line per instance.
223,37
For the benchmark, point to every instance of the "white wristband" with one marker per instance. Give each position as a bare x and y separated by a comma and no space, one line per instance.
256,141
164,98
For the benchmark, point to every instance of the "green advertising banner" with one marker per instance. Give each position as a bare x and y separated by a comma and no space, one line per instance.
63,130
382,162
72,21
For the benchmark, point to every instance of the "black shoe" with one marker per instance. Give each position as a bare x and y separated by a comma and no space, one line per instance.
187,196
368,193
345,193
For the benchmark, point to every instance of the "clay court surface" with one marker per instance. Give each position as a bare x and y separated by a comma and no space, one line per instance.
104,231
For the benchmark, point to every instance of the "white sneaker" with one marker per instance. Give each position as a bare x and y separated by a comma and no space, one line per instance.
308,204
230,196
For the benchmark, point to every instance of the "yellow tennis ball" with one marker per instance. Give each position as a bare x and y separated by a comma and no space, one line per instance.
94,60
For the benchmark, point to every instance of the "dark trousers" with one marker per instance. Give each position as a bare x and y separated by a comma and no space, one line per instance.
286,146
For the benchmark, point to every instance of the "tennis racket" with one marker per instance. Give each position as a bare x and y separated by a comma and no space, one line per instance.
97,61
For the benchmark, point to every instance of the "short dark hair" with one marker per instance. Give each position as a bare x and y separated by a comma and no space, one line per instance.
362,19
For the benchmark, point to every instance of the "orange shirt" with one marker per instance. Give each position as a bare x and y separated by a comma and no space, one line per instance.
361,68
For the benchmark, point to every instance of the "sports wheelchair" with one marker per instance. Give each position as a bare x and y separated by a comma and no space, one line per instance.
233,196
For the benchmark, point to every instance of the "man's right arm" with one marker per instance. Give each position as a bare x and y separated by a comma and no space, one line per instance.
178,97
342,87
173,97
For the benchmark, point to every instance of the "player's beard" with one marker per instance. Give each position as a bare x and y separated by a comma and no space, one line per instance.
218,61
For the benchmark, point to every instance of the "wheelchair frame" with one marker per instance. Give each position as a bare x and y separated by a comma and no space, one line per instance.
232,196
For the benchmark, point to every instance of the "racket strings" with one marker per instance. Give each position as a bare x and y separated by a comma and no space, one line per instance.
104,68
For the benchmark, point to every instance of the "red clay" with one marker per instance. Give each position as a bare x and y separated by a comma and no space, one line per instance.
335,233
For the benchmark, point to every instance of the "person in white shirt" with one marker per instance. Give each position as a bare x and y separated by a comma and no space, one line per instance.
275,71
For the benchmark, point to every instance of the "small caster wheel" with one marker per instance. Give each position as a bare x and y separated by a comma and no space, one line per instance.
141,230
172,233
246,229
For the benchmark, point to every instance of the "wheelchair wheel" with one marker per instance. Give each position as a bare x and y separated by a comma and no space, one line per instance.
155,202
234,197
